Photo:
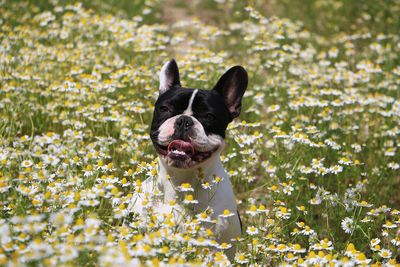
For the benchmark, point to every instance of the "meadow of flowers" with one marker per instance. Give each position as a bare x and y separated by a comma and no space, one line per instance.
314,158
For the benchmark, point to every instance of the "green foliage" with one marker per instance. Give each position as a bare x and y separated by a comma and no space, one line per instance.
313,158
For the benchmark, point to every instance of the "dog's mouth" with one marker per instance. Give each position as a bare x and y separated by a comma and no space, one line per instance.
182,154
180,150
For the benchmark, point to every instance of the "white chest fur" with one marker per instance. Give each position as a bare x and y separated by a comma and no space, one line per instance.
210,188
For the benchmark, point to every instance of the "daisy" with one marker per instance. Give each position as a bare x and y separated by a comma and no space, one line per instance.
385,253
224,246
241,258
227,213
252,211
347,225
374,242
185,187
206,185
26,163
389,225
251,230
395,241
189,199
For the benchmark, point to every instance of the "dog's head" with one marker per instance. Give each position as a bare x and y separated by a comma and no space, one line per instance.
189,125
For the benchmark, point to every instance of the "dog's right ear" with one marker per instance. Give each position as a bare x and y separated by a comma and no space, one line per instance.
169,76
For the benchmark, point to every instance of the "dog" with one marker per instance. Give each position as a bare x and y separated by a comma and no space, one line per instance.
188,131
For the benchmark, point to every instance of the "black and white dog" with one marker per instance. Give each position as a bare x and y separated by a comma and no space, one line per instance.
188,132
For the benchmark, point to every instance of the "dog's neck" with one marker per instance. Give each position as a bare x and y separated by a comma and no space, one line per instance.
170,178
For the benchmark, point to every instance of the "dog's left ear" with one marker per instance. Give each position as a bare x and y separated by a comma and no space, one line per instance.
232,86
169,76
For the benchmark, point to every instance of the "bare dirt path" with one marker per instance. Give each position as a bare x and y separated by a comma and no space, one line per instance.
171,12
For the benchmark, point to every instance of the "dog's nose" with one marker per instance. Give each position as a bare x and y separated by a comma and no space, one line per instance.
184,123
182,126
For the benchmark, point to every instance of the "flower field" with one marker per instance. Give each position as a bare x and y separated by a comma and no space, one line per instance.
314,158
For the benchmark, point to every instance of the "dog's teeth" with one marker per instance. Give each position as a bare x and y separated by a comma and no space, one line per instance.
178,152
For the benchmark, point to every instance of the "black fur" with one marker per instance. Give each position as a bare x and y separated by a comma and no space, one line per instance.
214,109
208,108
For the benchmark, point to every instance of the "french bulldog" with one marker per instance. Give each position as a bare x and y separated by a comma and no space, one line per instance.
188,131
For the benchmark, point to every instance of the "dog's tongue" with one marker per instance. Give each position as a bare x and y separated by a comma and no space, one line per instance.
180,145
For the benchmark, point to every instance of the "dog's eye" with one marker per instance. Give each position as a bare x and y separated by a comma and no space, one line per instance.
210,116
163,109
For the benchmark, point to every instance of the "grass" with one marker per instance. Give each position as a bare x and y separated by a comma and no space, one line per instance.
313,158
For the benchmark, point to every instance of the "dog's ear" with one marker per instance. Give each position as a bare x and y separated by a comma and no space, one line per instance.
232,86
169,76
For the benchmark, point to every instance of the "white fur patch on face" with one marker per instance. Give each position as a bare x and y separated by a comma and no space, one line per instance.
199,139
203,142
188,111
166,131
